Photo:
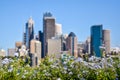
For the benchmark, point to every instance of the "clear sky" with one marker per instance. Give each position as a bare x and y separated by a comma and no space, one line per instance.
74,15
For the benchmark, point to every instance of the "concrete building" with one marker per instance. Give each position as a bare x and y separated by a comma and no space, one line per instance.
29,34
48,29
11,52
35,52
81,47
54,47
71,43
87,48
58,30
96,40
2,53
106,40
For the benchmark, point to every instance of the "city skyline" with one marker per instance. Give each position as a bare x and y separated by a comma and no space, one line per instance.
76,17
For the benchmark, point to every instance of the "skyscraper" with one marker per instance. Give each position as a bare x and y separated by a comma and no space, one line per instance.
72,44
106,40
87,47
35,52
29,32
96,39
40,38
48,29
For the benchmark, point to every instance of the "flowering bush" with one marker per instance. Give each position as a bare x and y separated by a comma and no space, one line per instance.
66,68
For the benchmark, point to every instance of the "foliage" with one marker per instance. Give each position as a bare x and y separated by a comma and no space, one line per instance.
57,69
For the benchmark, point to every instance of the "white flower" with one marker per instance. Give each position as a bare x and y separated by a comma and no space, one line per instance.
26,73
10,69
17,73
79,59
119,65
52,66
65,68
58,79
72,65
16,54
78,75
47,74
44,71
109,65
82,78
11,65
27,65
23,76
64,62
70,73
69,70
50,60
64,72
5,61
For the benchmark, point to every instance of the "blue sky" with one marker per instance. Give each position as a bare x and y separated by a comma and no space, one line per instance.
74,15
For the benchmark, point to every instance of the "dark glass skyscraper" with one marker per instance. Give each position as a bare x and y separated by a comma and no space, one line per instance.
29,32
40,37
96,39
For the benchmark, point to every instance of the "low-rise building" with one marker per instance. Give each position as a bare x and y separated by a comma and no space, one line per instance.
11,52
2,53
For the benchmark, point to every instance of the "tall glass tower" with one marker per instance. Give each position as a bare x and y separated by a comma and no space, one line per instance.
96,40
29,32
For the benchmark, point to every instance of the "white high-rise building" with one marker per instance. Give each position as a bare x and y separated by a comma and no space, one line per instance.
88,45
58,29
29,34
106,40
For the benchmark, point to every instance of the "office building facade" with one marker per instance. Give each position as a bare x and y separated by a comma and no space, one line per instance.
29,34
58,30
35,52
71,44
54,47
48,30
106,40
11,52
87,46
96,40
